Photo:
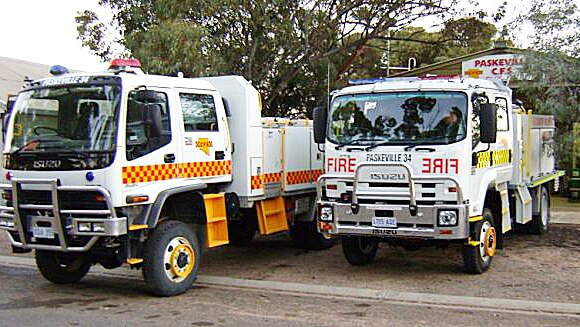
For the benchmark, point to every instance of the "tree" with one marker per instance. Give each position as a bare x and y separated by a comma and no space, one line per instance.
457,37
552,68
286,47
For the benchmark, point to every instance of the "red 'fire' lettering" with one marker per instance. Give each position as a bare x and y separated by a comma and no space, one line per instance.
340,165
440,166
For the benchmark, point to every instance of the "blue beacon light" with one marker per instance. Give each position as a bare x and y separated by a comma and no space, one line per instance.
90,176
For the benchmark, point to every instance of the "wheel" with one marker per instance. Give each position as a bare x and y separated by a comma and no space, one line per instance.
305,235
242,230
60,267
478,253
171,258
539,223
359,251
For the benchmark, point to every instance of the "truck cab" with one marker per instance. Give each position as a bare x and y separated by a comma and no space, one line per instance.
417,161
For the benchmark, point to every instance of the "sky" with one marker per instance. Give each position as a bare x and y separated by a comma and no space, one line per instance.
44,31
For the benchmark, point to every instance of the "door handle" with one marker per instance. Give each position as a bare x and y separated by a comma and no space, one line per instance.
169,158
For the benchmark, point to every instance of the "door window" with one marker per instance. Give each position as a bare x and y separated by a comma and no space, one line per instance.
501,107
199,112
148,124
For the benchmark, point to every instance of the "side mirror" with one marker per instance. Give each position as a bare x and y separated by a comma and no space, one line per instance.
487,123
147,96
319,128
10,103
152,118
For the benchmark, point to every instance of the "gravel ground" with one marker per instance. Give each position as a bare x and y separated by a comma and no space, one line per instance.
531,267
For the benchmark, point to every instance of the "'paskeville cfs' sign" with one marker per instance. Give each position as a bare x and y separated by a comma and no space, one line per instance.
502,66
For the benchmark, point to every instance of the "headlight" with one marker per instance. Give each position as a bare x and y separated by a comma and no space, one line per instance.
98,228
84,227
447,218
326,214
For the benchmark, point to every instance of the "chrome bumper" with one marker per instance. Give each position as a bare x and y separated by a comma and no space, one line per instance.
413,220
22,218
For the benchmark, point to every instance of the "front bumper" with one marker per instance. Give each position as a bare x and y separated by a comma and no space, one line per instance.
46,225
422,225
413,217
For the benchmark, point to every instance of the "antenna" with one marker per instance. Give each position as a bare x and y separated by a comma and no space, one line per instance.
328,84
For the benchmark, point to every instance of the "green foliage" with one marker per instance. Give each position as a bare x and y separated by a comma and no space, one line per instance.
291,50
458,37
285,47
553,68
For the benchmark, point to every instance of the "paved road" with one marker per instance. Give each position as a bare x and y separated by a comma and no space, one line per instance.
26,299
534,281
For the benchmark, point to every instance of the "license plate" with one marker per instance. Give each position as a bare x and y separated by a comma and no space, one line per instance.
43,232
384,222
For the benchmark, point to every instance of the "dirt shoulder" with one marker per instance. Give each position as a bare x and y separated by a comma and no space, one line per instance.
531,267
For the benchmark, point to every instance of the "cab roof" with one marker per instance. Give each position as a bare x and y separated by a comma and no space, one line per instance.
424,84
128,80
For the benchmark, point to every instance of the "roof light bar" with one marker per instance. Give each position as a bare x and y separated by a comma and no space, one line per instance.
130,62
364,81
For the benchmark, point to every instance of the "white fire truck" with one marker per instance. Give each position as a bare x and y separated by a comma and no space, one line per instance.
123,167
430,161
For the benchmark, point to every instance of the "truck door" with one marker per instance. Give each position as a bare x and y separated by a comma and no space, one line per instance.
205,149
151,147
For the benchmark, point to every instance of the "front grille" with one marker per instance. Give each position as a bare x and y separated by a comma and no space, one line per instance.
42,223
427,194
68,200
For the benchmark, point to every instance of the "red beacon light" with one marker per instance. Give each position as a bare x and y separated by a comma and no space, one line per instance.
129,65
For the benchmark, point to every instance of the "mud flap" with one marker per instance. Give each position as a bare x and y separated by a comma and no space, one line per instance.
523,205
506,221
217,222
272,216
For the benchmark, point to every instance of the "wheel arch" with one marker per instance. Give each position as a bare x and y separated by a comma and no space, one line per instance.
493,203
168,202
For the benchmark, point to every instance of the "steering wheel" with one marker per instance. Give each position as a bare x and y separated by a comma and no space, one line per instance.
37,129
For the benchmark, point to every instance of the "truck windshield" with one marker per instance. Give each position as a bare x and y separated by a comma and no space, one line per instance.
75,124
398,118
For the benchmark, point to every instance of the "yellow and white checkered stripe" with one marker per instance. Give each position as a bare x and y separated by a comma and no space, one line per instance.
152,173
501,157
490,158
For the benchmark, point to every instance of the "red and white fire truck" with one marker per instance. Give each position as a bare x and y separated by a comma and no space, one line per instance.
430,161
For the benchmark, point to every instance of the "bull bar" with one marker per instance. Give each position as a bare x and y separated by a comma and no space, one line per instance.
61,221
419,220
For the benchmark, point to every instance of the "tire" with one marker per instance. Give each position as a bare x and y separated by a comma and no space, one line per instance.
305,235
60,267
359,251
540,222
477,256
171,258
243,230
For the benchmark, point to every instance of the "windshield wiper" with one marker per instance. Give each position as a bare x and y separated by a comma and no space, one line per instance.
415,146
351,142
391,142
32,145
437,140
82,154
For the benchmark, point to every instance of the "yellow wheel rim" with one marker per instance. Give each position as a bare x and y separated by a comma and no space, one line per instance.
490,242
182,260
